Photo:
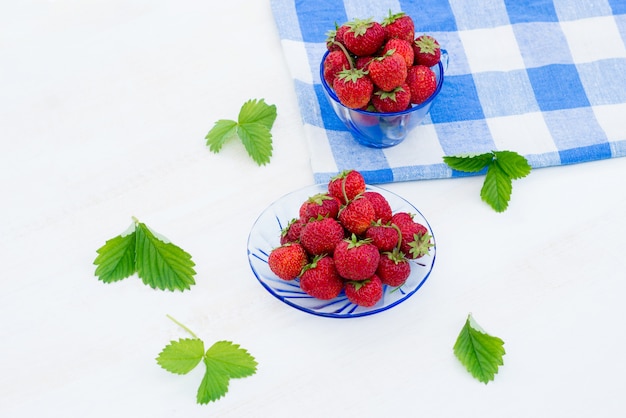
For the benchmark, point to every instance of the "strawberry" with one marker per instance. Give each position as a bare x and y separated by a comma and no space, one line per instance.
388,71
415,241
363,63
321,204
396,100
357,215
291,233
287,260
365,293
320,278
321,235
426,51
364,37
346,185
334,63
393,268
381,205
356,259
383,235
422,83
353,88
333,37
402,47
399,25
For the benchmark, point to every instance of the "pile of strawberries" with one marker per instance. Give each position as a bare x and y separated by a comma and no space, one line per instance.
381,67
348,239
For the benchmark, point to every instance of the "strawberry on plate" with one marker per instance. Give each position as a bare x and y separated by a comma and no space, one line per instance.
357,215
366,292
320,204
364,37
287,260
353,88
321,235
346,185
393,268
356,259
320,278
383,235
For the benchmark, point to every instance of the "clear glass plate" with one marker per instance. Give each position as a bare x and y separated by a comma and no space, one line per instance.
265,235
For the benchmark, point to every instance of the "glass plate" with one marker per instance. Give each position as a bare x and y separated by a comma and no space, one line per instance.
265,235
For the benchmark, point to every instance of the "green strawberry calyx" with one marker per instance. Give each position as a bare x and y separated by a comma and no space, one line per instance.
392,17
421,244
427,44
360,26
355,242
389,94
351,75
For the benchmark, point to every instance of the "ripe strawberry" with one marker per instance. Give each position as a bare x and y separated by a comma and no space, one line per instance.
346,185
363,63
320,278
381,205
353,88
399,25
415,241
396,100
356,259
321,236
334,63
402,47
335,36
319,205
383,235
291,232
365,293
426,50
287,260
364,37
402,218
393,268
422,83
357,215
388,71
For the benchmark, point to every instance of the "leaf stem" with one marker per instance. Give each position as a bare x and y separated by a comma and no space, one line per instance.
183,327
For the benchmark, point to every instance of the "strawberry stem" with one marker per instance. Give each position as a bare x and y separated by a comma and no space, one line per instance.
183,327
346,53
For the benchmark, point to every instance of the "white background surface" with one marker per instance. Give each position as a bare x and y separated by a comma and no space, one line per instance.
104,106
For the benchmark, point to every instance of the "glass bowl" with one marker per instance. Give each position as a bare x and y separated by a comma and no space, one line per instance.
265,235
383,130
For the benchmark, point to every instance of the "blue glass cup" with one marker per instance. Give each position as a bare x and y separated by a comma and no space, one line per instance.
383,130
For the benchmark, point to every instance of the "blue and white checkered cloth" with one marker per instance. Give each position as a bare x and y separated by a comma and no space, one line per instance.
544,78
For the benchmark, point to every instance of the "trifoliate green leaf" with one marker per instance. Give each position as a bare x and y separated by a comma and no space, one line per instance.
253,127
479,352
512,163
116,258
497,188
502,168
230,359
162,265
223,361
181,356
158,263
221,132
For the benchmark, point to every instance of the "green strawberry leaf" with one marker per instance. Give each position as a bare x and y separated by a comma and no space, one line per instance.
230,359
469,163
479,352
116,258
497,188
221,132
182,356
253,127
162,265
513,164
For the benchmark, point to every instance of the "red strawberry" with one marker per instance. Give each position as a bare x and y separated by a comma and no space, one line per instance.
399,25
384,236
320,278
287,260
388,71
363,63
321,204
402,47
356,259
346,185
291,233
353,88
415,241
321,236
335,36
357,215
396,100
334,63
381,205
426,50
422,83
364,37
365,293
402,218
393,268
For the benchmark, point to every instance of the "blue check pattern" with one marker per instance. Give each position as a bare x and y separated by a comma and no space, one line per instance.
544,78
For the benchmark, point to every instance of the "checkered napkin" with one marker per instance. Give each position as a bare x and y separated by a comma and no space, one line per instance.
544,78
